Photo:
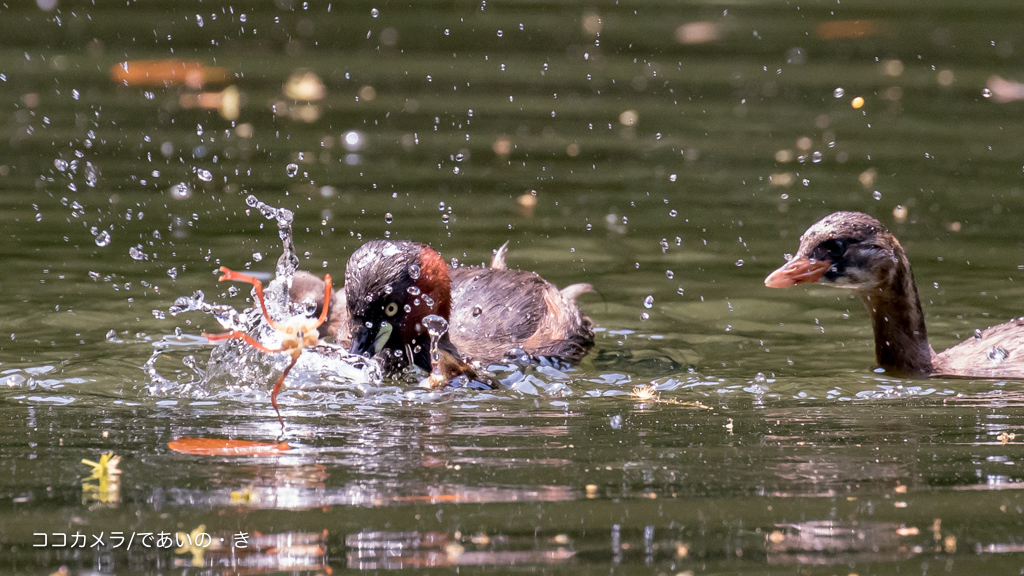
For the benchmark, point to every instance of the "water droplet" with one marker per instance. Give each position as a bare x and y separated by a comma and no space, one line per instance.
986,93
739,262
876,195
680,291
374,12
670,274
291,170
181,190
816,157
615,422
673,213
199,20
997,354
414,290
440,206
436,326
204,175
173,273
389,218
414,272
60,164
977,334
136,253
257,256
644,316
672,177
500,33
477,311
649,301
759,378
159,314
838,93
103,239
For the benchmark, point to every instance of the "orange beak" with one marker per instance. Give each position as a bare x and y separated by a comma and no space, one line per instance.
797,271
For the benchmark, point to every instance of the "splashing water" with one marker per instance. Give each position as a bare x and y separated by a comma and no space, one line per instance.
238,371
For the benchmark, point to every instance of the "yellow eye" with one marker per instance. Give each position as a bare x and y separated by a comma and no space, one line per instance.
391,309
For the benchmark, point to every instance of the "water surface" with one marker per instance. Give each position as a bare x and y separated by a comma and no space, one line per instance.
668,153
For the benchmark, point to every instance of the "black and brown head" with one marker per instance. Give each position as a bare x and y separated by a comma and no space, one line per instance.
844,249
390,286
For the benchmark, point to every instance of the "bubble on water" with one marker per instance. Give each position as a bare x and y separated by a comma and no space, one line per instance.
759,378
204,175
670,274
615,422
389,218
673,213
103,239
838,93
986,93
291,170
876,195
374,12
649,301
257,256
739,262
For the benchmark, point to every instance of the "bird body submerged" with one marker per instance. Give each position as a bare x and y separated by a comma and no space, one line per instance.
392,286
853,250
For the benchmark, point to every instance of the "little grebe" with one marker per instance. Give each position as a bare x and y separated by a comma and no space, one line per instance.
853,250
391,286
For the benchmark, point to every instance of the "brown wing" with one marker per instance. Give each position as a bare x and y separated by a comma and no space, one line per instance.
495,310
309,288
999,353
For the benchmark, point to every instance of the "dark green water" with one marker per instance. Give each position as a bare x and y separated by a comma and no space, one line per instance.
674,151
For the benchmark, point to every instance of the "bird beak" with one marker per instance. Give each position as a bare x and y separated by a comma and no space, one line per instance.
362,343
799,270
382,337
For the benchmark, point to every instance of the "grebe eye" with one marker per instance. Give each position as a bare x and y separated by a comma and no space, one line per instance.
391,309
